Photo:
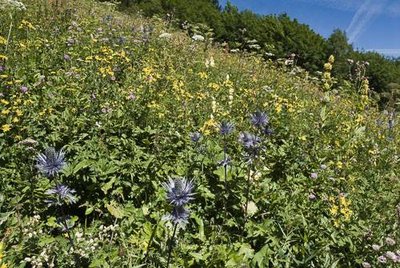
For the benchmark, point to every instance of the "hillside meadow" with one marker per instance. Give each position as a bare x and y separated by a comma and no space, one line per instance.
125,142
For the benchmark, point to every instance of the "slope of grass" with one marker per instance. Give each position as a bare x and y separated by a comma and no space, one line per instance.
122,100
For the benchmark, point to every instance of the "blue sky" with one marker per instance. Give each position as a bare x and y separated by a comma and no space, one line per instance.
369,24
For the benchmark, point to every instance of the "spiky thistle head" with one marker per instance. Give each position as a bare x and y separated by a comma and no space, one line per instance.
226,128
259,119
249,140
50,162
61,194
179,215
195,136
179,191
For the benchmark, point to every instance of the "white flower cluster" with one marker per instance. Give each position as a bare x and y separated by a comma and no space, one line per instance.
11,5
41,260
29,231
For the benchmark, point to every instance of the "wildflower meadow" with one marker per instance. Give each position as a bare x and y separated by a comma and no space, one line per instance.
126,142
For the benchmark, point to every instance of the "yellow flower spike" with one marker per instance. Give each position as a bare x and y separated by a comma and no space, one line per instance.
334,210
3,41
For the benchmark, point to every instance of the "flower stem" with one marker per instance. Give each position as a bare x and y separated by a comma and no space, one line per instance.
247,196
170,244
225,178
9,31
150,241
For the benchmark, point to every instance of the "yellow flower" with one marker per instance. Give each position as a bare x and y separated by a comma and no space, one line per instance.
6,127
27,24
334,210
5,112
18,112
15,120
4,102
208,126
203,75
147,71
336,223
214,86
3,41
3,57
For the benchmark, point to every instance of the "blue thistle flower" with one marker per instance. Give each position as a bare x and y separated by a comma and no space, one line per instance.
225,162
226,128
179,191
179,215
249,141
51,162
62,195
259,119
195,136
268,131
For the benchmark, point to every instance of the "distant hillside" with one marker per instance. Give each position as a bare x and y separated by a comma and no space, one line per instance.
278,36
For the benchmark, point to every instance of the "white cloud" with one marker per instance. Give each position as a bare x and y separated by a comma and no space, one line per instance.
348,5
365,13
394,9
391,52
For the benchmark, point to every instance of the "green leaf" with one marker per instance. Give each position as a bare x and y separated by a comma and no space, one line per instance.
107,186
115,210
89,210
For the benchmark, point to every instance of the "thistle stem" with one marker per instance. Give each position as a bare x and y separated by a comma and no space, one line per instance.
247,196
150,241
225,178
170,244
71,241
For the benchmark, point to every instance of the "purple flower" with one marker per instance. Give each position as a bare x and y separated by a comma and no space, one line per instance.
225,162
382,259
179,215
249,141
195,136
131,96
314,175
2,68
268,131
226,128
390,242
259,119
323,167
391,255
312,197
61,194
179,191
67,57
24,89
51,162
